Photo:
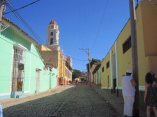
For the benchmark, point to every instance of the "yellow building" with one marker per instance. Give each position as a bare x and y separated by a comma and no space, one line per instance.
65,69
105,72
54,56
91,72
119,57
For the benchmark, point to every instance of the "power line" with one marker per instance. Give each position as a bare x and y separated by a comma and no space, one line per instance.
22,7
78,59
100,24
17,15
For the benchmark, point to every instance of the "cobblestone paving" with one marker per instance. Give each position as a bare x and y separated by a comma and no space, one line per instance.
79,101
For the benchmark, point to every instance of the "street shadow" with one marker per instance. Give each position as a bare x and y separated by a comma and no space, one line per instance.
64,104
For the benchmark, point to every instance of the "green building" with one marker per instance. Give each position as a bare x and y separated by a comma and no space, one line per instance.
22,70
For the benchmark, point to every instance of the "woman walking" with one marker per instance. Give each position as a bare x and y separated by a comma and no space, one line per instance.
150,96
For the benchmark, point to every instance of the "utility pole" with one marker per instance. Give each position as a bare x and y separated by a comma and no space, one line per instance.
134,57
89,74
2,8
89,68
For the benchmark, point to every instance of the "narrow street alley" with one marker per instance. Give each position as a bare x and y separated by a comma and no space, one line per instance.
77,101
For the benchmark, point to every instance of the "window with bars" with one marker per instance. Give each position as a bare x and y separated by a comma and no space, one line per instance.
18,54
18,69
127,45
107,64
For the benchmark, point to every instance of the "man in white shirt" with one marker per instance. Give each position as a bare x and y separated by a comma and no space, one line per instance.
128,91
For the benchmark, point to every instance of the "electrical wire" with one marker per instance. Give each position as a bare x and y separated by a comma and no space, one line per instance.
22,7
17,15
100,24
78,59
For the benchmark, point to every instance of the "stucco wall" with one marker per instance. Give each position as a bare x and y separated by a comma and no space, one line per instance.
32,62
105,76
149,19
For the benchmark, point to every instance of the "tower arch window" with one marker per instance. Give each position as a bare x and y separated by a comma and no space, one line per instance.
51,41
52,26
51,33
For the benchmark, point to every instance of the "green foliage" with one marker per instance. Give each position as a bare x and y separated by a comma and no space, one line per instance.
76,73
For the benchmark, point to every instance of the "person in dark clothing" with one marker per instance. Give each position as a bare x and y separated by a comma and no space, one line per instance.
150,96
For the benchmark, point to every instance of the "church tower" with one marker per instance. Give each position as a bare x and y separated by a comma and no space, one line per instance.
53,36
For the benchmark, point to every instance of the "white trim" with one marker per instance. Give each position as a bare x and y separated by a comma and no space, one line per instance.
4,94
26,91
24,59
116,57
21,46
111,68
12,64
30,69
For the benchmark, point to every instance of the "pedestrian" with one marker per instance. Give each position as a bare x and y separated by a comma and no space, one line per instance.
128,91
1,111
154,79
150,95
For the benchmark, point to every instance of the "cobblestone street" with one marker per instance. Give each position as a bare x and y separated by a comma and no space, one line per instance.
79,101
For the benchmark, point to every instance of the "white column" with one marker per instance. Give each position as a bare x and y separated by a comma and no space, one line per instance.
30,71
111,71
116,57
12,61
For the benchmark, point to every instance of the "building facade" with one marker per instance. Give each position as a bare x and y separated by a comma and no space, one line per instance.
91,70
97,75
54,56
22,67
119,58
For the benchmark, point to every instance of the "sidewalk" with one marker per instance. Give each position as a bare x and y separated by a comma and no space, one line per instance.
114,100
14,101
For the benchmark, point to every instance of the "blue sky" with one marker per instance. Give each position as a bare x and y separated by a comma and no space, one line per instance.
93,24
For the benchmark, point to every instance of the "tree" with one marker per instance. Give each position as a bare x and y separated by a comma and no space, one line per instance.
76,73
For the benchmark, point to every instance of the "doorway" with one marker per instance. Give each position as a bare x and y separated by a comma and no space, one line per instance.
37,80
18,72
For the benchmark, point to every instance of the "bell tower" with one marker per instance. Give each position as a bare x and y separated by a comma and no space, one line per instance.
53,35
